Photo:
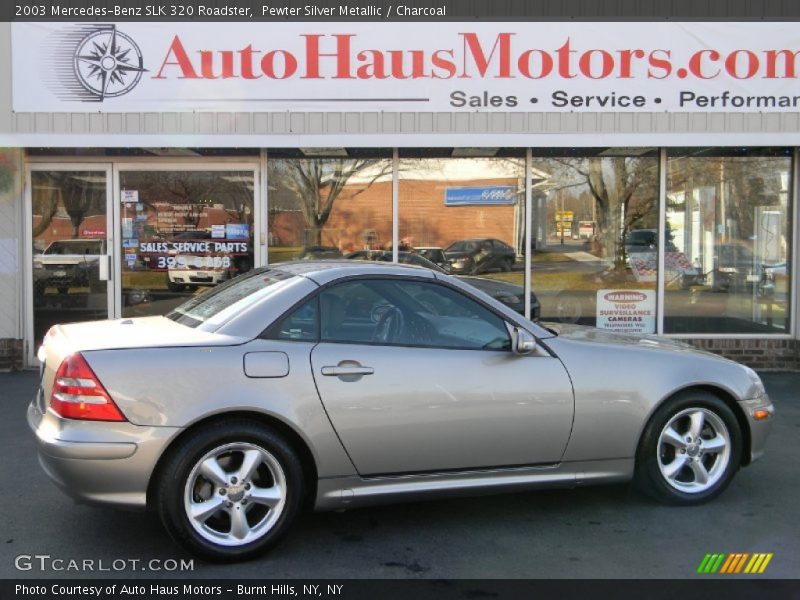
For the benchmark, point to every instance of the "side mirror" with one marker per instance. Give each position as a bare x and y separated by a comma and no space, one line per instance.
523,342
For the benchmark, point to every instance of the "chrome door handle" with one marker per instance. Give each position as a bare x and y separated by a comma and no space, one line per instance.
338,371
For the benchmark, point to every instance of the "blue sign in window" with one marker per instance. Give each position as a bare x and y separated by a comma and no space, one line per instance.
490,194
237,231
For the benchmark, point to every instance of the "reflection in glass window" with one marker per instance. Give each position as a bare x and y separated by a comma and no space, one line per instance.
68,230
328,207
595,224
464,209
728,240
183,232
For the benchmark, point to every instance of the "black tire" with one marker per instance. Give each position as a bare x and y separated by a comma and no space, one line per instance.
175,287
657,455
507,265
223,440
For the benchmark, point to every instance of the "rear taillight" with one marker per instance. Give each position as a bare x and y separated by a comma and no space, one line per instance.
78,393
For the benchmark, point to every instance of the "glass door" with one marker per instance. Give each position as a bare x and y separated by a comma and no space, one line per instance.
183,229
69,232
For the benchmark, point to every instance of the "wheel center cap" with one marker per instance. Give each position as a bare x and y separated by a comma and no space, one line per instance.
693,450
236,493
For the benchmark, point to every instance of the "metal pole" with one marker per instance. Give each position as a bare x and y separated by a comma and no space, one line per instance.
528,229
662,238
395,203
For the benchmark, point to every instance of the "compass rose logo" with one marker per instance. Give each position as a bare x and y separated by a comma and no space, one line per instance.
108,63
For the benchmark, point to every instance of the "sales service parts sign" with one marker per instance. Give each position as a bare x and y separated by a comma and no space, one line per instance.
90,67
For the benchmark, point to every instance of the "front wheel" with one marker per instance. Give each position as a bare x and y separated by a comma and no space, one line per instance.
230,491
690,450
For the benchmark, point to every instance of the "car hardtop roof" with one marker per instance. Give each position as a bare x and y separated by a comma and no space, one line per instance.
324,271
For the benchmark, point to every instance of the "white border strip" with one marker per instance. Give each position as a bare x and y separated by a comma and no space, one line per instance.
399,140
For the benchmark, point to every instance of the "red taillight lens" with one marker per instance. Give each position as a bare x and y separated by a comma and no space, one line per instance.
78,393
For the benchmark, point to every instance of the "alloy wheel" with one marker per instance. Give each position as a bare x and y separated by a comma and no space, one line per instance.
235,494
694,450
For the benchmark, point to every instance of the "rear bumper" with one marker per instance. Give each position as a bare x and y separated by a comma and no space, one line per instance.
99,462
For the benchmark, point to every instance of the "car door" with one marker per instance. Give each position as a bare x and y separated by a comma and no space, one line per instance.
437,388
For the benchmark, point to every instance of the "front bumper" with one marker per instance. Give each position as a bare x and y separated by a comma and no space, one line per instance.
98,462
759,428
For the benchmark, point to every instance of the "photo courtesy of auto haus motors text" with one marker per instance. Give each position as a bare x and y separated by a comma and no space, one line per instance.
646,67
185,590
419,299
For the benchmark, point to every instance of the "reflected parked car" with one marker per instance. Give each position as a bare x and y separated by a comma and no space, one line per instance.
334,385
434,254
320,252
190,271
68,263
472,257
510,294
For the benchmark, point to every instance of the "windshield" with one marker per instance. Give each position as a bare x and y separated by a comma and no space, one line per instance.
465,246
230,298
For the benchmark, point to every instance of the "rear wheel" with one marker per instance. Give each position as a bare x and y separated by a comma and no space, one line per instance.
690,450
230,491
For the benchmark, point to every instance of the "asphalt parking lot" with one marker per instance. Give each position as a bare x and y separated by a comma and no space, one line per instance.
602,532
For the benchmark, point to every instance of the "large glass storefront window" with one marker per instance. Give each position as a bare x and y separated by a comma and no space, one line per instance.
463,209
69,233
182,232
328,203
595,224
728,214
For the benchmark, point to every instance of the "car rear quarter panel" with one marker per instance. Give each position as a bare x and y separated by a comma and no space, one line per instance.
618,387
177,387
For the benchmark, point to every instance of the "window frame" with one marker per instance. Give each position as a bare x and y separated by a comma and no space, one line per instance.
270,331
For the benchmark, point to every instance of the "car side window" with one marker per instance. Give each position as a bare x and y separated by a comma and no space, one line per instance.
408,313
302,324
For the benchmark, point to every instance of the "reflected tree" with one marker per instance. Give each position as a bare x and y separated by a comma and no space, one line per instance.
318,183
624,190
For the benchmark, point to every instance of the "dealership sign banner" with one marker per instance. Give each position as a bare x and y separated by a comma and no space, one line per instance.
350,66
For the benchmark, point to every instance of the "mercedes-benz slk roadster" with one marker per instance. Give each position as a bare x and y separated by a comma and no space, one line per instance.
338,384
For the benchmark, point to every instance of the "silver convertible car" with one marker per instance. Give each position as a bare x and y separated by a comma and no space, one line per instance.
333,385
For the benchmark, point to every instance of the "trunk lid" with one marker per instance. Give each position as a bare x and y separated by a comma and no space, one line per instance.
144,332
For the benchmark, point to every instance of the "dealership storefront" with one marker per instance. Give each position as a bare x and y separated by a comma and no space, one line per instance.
649,188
